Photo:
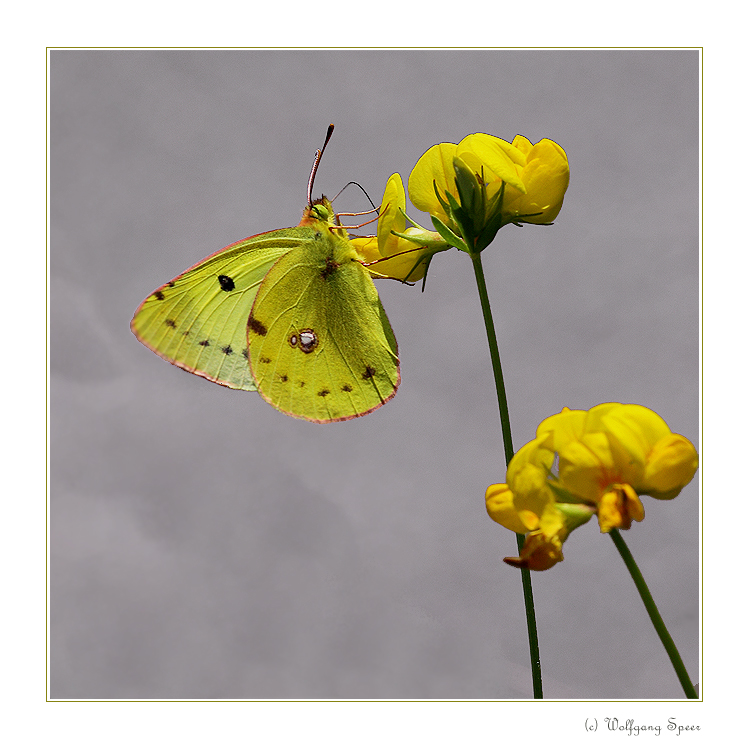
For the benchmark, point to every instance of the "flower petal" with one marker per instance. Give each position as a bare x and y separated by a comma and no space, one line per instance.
559,429
367,249
632,431
435,166
498,155
391,216
546,177
527,477
670,467
586,465
637,428
408,262
501,509
538,552
618,507
522,144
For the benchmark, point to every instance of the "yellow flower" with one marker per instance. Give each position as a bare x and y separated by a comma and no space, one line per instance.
545,533
528,504
397,252
607,457
620,444
474,188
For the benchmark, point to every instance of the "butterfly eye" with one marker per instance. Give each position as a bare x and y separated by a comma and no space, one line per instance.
321,212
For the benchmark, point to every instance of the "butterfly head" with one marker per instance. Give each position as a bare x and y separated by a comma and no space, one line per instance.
319,212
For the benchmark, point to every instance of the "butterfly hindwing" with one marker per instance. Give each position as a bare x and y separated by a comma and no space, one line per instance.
321,347
198,321
292,313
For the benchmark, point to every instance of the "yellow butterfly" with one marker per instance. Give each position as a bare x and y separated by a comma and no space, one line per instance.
291,313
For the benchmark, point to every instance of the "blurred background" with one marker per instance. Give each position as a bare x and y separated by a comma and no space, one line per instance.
204,545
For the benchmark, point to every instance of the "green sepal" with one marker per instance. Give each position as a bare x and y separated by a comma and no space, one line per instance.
452,208
423,241
469,190
487,234
448,235
445,205
486,237
575,515
462,220
415,223
426,271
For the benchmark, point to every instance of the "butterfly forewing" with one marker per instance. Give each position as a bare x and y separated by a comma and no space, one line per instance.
198,321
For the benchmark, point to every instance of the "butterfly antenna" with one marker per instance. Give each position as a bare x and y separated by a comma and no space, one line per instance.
360,187
318,156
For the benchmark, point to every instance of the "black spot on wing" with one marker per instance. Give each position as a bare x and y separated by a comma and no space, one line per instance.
227,349
256,326
170,323
158,295
347,388
226,283
204,343
324,392
368,373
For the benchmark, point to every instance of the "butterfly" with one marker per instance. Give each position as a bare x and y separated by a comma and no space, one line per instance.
292,313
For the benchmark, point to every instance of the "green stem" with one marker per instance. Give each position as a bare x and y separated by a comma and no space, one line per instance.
504,418
655,616
499,381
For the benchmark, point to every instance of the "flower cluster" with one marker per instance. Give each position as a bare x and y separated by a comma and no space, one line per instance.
471,190
581,463
476,187
605,458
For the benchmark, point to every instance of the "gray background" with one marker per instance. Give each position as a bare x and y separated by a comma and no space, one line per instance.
204,545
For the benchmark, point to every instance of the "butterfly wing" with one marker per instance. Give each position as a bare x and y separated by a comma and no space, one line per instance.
321,347
198,321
